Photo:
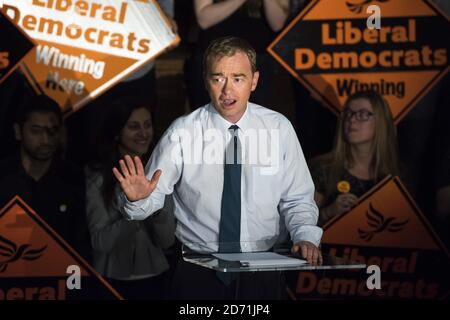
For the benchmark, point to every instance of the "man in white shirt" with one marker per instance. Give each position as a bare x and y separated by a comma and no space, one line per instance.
236,169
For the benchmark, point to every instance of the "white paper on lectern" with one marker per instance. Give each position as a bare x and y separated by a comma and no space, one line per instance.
260,259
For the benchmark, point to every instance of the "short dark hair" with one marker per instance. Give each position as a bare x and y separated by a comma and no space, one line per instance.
39,104
227,47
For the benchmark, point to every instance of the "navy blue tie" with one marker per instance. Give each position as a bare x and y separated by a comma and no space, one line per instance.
230,217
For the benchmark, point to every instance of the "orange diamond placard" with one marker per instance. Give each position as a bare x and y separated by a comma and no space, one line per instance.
386,217
34,261
86,46
386,229
329,48
14,46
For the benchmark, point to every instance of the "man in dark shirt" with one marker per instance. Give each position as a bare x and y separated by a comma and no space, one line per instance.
52,187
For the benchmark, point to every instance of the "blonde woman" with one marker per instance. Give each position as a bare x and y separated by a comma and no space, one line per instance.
365,151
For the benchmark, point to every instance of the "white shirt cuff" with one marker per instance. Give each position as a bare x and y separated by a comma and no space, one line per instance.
308,233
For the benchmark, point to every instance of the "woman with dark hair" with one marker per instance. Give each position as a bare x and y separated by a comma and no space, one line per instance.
128,253
365,151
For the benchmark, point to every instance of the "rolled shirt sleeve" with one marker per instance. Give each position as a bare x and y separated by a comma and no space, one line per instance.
297,205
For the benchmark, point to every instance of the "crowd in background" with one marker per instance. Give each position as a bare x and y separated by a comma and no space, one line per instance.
64,172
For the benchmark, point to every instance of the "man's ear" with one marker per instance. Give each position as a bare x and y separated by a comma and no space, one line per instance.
17,132
255,80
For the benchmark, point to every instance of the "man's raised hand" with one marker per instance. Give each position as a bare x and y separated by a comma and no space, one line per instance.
132,179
